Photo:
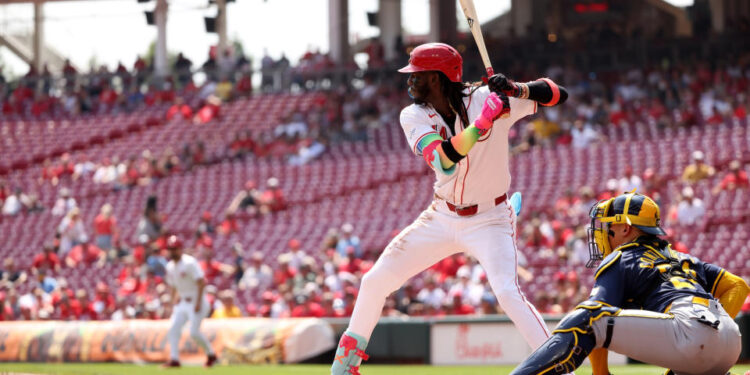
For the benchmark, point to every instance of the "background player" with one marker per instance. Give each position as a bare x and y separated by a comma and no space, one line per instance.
672,317
470,211
185,277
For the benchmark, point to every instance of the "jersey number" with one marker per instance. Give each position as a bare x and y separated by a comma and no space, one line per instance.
682,283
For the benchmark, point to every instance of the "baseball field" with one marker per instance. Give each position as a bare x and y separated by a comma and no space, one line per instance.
118,369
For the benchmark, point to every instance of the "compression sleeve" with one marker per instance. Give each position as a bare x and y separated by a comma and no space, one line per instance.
731,291
461,142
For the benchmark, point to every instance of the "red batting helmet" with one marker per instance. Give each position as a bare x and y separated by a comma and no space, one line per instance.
435,56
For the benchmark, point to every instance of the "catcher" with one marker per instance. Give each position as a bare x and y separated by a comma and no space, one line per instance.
648,302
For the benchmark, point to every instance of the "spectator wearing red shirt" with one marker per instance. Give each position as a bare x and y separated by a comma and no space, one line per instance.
285,271
210,110
212,268
46,259
307,308
179,108
105,228
350,264
273,198
79,308
86,253
734,180
104,302
229,225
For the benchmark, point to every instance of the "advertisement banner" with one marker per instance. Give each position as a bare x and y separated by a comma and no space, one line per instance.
242,340
483,343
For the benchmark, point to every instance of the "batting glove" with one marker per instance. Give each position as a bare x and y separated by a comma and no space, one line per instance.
494,107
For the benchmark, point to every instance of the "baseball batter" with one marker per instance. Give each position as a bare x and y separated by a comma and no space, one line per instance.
648,302
185,277
461,131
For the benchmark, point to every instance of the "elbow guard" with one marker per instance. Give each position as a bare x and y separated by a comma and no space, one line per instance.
432,157
559,94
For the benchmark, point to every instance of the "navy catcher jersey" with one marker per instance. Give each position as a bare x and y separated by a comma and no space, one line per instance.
647,274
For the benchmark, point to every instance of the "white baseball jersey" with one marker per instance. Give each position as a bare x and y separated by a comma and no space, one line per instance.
484,174
183,276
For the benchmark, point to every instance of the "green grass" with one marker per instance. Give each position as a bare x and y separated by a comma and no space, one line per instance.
125,369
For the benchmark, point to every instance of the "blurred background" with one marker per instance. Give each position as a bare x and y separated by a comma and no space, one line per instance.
266,135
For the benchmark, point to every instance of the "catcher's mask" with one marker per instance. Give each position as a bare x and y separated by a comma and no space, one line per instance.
633,209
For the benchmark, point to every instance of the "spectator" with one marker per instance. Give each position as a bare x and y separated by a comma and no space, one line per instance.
690,210
583,135
105,228
458,306
699,170
156,262
64,204
12,205
85,253
630,181
179,108
295,255
83,308
431,294
182,67
239,262
72,231
123,310
212,268
206,225
47,259
229,225
734,180
257,275
10,277
150,223
347,239
228,308
306,307
246,201
273,197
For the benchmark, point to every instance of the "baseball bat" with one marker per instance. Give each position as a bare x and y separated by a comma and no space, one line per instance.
467,6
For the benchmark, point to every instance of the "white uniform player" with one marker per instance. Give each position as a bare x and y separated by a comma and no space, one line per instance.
470,211
185,277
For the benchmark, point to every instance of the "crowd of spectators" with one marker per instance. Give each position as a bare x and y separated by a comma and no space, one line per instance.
325,283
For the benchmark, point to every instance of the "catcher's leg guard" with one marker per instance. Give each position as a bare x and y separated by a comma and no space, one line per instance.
570,344
350,352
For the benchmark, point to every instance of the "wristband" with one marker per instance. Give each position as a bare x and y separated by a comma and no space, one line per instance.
450,151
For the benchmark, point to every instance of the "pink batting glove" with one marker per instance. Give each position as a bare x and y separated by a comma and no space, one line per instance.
494,107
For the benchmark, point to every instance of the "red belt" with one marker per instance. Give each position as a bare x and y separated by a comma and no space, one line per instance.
472,210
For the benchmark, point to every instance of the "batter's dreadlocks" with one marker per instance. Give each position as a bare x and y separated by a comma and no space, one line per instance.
454,91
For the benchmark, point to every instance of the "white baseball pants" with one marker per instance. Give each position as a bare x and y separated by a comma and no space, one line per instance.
437,233
183,312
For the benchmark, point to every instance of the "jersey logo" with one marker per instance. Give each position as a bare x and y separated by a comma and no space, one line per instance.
443,131
432,115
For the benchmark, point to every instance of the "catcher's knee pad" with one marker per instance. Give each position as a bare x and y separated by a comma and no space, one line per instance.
570,344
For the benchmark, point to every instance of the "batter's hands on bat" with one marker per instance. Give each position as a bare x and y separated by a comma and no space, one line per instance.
499,83
495,106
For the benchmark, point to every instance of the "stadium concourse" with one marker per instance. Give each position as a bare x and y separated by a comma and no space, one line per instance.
288,197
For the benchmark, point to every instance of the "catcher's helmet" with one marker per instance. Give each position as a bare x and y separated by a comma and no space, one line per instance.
435,57
633,209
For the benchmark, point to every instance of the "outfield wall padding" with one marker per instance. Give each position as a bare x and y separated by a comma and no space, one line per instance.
241,340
